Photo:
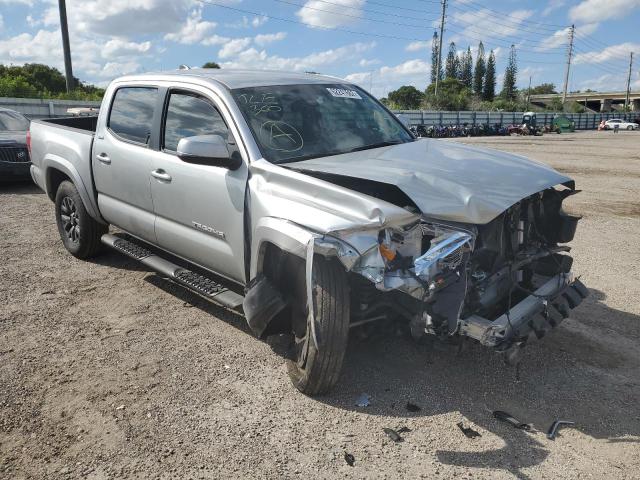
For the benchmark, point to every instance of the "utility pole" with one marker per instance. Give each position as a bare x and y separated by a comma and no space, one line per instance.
572,31
626,100
65,44
529,93
439,64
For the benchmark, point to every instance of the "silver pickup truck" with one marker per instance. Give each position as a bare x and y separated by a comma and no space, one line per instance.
303,201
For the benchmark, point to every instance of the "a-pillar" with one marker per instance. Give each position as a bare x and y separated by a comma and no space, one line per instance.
605,105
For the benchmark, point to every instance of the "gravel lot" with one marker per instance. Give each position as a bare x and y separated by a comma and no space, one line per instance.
107,371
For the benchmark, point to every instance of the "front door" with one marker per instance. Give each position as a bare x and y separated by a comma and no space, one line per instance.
199,208
122,161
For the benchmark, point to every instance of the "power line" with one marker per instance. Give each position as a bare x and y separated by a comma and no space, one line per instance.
504,43
502,15
289,20
378,12
342,14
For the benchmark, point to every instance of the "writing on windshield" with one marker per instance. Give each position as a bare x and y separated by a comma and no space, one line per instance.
295,122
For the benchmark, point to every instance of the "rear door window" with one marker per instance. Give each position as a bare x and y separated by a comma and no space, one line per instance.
131,116
189,115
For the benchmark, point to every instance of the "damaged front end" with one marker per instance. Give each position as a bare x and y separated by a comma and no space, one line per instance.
501,283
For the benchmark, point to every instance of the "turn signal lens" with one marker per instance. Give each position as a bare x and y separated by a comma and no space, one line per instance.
387,253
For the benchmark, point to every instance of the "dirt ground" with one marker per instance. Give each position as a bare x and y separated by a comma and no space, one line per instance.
107,371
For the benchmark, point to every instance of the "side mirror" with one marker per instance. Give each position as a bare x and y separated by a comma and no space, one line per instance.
208,150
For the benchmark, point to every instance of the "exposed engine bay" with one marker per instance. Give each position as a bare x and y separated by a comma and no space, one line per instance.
498,283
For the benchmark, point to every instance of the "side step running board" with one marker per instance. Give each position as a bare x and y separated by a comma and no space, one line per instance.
203,286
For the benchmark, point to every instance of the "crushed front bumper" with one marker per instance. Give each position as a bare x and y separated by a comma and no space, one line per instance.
535,315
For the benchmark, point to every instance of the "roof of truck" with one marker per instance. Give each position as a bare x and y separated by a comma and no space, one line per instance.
233,78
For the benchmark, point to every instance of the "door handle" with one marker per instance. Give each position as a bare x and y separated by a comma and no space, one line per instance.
104,158
160,174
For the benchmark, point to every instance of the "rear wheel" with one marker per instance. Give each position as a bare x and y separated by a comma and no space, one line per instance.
79,232
312,370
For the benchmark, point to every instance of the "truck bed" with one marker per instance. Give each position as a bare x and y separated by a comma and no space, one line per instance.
62,146
87,124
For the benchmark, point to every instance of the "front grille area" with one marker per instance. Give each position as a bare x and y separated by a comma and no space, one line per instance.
14,154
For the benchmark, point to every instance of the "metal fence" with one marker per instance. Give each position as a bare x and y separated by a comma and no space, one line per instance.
584,121
43,108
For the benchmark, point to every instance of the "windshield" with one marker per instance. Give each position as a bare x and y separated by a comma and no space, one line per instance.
13,122
297,122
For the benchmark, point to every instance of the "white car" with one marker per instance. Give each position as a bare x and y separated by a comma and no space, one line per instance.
622,125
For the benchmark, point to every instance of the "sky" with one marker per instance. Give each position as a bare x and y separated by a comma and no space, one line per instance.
379,44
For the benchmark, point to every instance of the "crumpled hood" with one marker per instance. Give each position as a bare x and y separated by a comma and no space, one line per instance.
446,180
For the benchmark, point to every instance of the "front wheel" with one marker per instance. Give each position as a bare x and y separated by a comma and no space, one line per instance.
79,232
630,127
312,370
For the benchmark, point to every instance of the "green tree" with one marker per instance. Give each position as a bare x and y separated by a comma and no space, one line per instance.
480,71
451,65
489,84
543,88
452,95
434,59
211,65
37,80
466,69
509,89
406,97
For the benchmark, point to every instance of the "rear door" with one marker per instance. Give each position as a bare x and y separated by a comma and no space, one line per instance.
199,208
123,160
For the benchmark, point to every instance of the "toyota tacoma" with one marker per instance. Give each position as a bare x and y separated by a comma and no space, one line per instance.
302,201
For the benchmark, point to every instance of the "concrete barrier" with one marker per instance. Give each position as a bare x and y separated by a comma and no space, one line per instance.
43,108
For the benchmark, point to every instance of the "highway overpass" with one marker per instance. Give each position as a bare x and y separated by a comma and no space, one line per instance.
594,101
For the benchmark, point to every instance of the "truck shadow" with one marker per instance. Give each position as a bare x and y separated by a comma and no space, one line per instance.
26,187
577,374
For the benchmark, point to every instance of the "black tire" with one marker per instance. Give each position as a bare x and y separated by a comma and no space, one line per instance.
630,127
315,371
79,232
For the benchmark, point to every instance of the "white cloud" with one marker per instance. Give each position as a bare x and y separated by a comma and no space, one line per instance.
193,31
123,17
259,21
598,10
552,6
367,63
116,69
475,22
234,47
612,53
267,38
561,37
320,14
412,72
419,45
23,2
255,22
120,48
253,58
215,40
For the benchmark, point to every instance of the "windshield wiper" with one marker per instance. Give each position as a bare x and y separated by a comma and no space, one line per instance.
374,145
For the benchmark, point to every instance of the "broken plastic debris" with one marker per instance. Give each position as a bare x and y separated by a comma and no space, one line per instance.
553,430
350,459
412,407
393,435
468,431
511,420
362,400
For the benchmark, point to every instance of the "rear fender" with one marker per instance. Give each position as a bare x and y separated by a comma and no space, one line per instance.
52,163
